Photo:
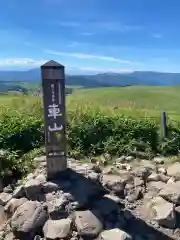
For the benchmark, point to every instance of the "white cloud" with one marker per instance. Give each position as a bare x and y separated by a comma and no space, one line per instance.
21,62
100,26
88,56
117,26
102,70
157,35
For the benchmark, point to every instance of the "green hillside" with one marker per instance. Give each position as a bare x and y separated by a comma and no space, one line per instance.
137,101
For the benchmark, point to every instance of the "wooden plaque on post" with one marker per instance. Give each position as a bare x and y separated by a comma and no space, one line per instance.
53,85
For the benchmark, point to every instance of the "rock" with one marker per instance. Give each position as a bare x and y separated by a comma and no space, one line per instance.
2,217
162,170
121,159
41,178
38,237
138,182
4,198
163,178
58,229
177,209
156,186
107,156
135,195
163,212
50,197
154,177
19,192
114,234
129,187
112,198
124,166
13,204
87,224
69,197
116,187
106,205
94,176
149,165
109,170
142,172
40,159
171,180
159,160
125,176
49,187
174,170
30,176
8,189
9,236
28,219
56,208
129,158
171,192
32,189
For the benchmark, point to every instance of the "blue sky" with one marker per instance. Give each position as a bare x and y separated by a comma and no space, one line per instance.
90,36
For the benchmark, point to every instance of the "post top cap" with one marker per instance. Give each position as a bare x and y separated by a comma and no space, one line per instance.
52,63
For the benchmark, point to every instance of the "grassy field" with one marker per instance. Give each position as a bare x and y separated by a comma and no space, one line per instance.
136,101
99,121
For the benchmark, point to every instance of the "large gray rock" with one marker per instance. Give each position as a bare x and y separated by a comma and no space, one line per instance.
164,178
159,160
2,217
138,182
142,172
87,224
56,207
115,184
114,234
49,187
154,177
163,212
156,186
33,188
174,170
171,192
58,229
4,198
134,194
28,219
19,192
12,206
9,236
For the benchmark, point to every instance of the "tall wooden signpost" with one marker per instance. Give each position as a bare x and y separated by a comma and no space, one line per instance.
53,85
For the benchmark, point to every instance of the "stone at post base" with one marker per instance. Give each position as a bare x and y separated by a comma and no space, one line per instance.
56,167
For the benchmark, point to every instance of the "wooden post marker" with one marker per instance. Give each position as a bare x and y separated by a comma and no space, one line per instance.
164,124
53,85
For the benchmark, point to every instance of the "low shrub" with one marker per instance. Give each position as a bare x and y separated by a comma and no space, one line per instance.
90,131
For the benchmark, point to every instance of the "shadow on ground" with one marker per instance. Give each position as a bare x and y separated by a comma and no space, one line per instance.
90,193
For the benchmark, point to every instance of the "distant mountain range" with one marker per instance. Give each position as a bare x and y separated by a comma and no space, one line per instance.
99,80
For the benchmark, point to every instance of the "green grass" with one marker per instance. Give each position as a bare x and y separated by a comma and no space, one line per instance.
94,126
136,101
